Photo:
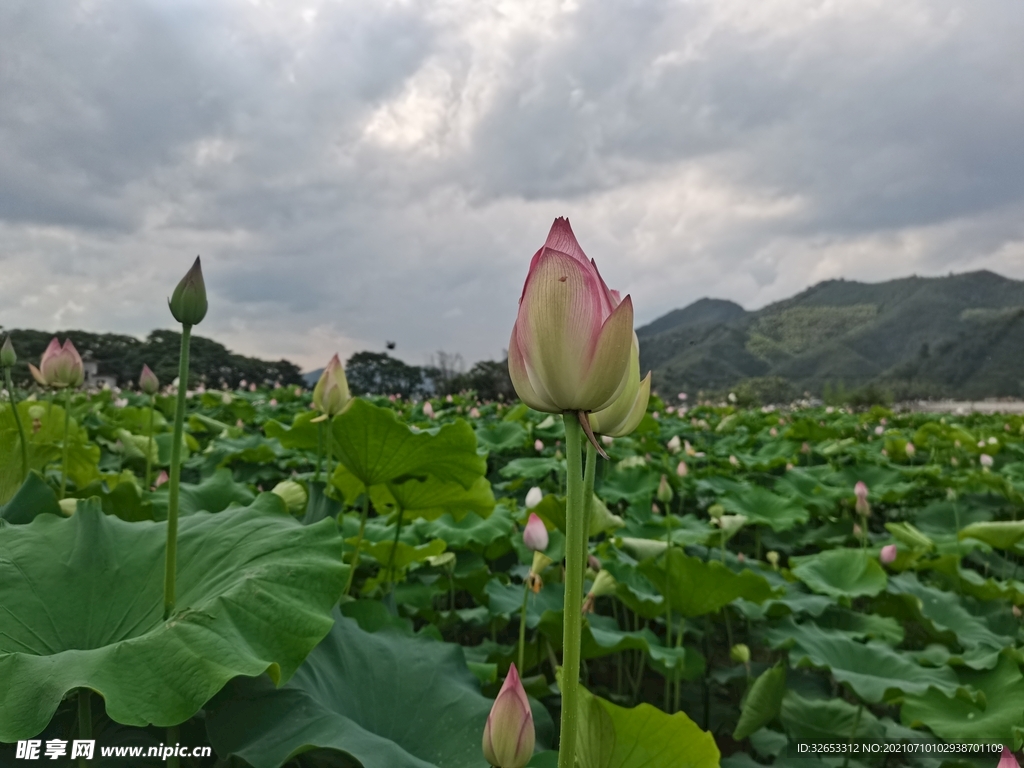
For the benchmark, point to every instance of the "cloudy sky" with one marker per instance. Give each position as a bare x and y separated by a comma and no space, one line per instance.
354,172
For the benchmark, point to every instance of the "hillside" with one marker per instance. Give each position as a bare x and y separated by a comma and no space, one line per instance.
958,336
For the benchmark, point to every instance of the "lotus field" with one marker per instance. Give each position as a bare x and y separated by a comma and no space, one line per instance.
589,576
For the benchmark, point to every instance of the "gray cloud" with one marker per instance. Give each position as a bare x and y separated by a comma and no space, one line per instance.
357,172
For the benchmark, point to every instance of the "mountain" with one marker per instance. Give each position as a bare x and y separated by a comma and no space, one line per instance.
960,336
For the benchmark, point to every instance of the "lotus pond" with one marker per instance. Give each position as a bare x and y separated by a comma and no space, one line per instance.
742,598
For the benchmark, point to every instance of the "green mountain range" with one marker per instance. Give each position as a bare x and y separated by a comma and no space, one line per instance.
957,336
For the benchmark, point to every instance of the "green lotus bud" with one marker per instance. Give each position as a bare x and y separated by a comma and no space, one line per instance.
36,412
331,394
148,382
68,506
188,302
294,495
7,354
740,653
664,492
716,510
773,557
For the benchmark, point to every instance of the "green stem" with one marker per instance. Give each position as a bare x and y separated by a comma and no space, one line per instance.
319,449
959,552
171,557
575,541
359,541
327,476
67,426
856,722
149,445
84,713
173,736
21,429
394,546
522,627
589,470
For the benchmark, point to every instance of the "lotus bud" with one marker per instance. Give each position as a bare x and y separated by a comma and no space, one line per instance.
682,470
773,558
148,381
805,448
161,478
294,495
8,357
860,490
534,497
428,409
1017,611
331,394
740,653
538,445
675,445
664,493
68,506
688,449
716,511
655,509
188,302
910,450
604,584
986,460
474,413
535,535
856,530
509,734
572,340
888,554
773,432
624,415
1007,760
734,461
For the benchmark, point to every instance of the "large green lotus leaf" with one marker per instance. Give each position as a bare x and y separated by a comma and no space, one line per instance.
883,484
404,554
999,717
629,484
431,497
301,435
695,588
947,613
601,636
501,436
377,448
507,600
213,494
552,510
806,489
82,601
840,573
34,497
44,433
532,469
763,702
860,626
873,670
469,532
1002,535
828,720
761,506
611,736
385,700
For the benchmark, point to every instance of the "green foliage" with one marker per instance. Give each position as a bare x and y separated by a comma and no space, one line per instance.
377,373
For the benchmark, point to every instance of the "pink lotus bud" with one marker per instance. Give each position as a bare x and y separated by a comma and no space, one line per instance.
655,509
883,421
624,415
509,735
860,490
572,339
538,445
888,554
161,478
856,530
789,466
670,409
243,384
534,497
682,396
59,366
428,409
535,535
986,460
773,432
682,469
474,413
607,439
239,423
273,402
331,393
148,381
740,557
674,445
879,431
448,399
805,448
655,415
252,387
910,450
298,391
885,452
1007,760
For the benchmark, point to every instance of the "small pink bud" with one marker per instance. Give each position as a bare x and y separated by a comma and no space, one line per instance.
682,396
252,387
789,466
805,448
148,381
474,413
860,490
243,384
273,402
740,557
298,391
682,470
538,445
428,409
888,554
879,431
856,530
161,478
1007,760
910,449
986,460
655,509
773,432
655,415
670,409
535,535
509,735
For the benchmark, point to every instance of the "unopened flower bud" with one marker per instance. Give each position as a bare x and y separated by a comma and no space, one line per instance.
68,506
740,653
148,381
716,510
664,493
509,733
7,355
294,495
1007,760
772,557
534,497
538,445
331,394
888,554
188,302
682,470
535,535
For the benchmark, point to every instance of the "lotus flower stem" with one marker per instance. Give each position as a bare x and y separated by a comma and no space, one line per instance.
359,541
589,470
17,421
149,445
330,435
394,546
84,715
67,424
575,541
170,562
319,450
522,625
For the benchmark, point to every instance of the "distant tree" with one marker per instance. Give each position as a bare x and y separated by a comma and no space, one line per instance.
444,372
489,379
377,373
